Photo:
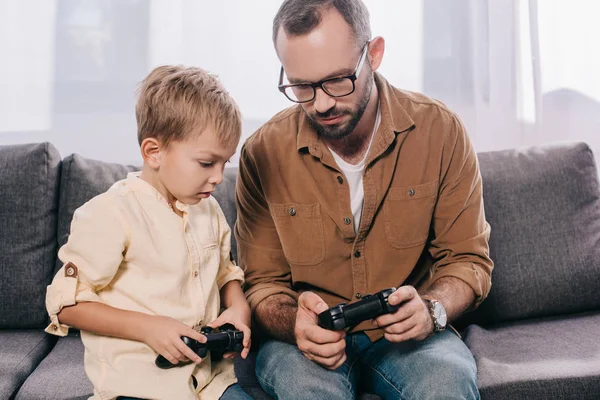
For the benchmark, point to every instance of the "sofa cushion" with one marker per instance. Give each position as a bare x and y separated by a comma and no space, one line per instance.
82,179
60,375
543,205
553,358
29,177
21,351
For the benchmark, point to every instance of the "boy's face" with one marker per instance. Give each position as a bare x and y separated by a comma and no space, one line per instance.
191,169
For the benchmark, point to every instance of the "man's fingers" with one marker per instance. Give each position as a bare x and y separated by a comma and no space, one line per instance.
312,302
402,294
331,363
406,311
319,335
413,333
401,327
324,351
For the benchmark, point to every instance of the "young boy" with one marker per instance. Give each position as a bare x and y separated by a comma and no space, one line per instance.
148,261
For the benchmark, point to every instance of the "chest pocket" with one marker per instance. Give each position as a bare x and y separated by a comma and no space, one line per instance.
408,211
300,230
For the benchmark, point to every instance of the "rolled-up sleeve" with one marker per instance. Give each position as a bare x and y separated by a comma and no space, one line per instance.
228,270
460,248
91,258
259,249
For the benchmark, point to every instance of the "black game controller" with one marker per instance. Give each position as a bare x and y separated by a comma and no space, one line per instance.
345,315
218,341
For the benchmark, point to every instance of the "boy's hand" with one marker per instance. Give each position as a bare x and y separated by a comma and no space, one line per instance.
239,316
163,335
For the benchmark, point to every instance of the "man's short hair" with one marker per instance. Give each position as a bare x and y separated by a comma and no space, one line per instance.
299,17
176,101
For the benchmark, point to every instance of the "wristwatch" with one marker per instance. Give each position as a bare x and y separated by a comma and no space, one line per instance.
438,314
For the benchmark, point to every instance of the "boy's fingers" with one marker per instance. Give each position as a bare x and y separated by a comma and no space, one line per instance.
217,322
245,352
197,336
186,353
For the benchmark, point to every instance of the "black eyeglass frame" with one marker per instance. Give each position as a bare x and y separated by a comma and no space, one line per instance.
353,77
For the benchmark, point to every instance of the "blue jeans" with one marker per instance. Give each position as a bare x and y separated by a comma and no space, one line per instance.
440,367
233,392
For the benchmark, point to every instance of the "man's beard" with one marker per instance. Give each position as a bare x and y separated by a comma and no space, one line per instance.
340,131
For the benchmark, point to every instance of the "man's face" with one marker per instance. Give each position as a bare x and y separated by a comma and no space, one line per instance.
330,50
191,169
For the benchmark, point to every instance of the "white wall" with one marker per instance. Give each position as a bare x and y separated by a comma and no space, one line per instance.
69,68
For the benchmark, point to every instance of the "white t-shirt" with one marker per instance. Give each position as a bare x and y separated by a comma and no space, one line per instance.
354,175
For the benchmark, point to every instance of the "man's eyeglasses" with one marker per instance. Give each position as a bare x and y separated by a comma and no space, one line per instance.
335,87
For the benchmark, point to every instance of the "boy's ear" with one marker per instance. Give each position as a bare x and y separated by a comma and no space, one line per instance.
151,150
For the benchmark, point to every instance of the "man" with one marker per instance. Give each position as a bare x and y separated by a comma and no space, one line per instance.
358,188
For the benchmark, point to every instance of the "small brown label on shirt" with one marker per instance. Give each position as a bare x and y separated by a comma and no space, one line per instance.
71,270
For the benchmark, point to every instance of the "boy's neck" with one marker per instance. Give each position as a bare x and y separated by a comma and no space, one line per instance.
149,175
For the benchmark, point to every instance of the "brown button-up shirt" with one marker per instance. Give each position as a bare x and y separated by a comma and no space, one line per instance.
422,217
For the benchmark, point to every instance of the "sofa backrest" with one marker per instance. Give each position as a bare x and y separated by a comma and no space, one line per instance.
29,176
543,205
83,178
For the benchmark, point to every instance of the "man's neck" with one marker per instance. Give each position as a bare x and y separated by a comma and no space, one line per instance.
353,147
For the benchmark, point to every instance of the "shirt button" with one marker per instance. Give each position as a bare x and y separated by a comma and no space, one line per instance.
411,192
195,274
347,221
358,295
292,211
357,254
340,179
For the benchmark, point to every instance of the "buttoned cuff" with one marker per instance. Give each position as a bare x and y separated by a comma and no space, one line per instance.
471,274
259,292
66,290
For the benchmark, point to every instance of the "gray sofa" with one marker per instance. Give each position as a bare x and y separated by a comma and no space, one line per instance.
535,337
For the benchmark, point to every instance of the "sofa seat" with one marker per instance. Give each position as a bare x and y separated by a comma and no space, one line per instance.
60,375
22,351
550,358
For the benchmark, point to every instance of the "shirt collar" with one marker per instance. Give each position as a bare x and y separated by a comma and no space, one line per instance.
141,186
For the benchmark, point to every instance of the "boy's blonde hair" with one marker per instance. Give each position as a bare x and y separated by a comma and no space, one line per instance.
176,101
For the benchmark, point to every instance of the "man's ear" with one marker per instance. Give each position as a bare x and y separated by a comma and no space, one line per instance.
375,52
151,152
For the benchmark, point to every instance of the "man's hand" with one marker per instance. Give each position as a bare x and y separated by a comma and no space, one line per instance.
325,347
411,321
239,316
163,335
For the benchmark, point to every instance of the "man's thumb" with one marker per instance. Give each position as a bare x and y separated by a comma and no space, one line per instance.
312,302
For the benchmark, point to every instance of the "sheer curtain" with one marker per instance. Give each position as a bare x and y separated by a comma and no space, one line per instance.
518,72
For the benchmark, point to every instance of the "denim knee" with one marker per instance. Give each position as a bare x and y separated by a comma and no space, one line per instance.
284,373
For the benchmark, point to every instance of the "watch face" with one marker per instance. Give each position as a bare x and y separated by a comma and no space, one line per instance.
440,314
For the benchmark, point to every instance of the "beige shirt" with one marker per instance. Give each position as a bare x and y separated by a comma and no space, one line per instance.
422,218
129,250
